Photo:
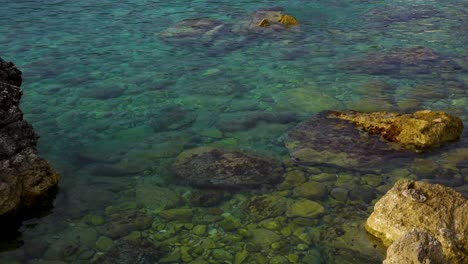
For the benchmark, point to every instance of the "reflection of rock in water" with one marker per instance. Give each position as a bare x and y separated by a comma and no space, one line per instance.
26,180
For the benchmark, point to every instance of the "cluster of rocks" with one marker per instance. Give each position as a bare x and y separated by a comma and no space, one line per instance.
25,178
211,32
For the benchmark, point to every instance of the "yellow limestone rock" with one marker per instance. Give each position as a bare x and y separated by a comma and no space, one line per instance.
288,20
416,131
439,211
264,23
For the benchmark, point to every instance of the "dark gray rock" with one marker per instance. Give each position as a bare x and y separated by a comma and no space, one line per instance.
25,178
137,252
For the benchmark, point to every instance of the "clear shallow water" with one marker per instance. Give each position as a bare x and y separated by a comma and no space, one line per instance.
103,90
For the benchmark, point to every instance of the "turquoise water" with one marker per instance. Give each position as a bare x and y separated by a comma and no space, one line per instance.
115,103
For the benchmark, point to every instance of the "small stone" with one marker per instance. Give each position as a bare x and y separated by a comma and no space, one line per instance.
305,208
221,255
199,230
94,219
292,179
264,238
180,214
244,232
302,247
293,258
279,260
104,243
310,190
340,194
271,225
133,236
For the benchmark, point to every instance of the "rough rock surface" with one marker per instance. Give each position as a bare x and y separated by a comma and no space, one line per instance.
440,211
332,141
138,252
209,167
25,178
420,130
415,247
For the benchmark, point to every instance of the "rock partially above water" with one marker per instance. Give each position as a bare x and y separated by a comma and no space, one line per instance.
209,167
25,178
417,131
267,21
434,209
415,247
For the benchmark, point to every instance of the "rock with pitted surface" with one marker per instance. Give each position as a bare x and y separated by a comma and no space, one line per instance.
415,247
417,131
209,167
434,209
25,178
137,252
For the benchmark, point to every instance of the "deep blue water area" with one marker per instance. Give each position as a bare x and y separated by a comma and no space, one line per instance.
117,91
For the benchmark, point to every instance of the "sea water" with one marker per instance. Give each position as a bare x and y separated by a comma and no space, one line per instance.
115,102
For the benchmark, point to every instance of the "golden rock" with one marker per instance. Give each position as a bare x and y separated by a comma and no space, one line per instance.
288,20
264,23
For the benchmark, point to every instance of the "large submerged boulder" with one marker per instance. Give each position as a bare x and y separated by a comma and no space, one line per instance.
439,211
401,62
215,168
25,178
195,31
326,140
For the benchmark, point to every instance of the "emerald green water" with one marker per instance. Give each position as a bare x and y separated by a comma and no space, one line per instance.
114,105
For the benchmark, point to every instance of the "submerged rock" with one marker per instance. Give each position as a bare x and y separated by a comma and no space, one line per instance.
394,13
196,31
417,131
439,211
137,251
323,140
242,121
401,62
209,167
25,178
